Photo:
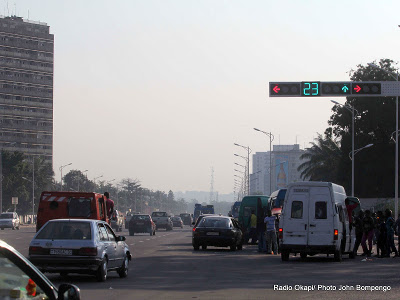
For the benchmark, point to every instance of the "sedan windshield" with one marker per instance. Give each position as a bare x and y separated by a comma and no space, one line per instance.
214,222
65,231
6,216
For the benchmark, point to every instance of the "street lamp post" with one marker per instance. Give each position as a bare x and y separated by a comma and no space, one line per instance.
61,168
351,109
248,165
353,153
79,179
246,174
33,194
396,175
271,138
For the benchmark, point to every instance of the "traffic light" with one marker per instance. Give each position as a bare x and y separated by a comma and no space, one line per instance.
335,88
291,89
370,88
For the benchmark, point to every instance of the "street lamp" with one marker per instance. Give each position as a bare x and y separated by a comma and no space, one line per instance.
351,109
61,168
248,165
353,153
79,180
396,175
271,138
33,193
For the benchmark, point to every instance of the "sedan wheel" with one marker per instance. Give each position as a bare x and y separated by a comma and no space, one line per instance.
233,247
102,271
240,246
123,271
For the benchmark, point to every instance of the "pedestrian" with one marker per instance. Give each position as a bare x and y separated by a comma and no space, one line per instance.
368,232
271,234
381,235
390,234
261,229
253,227
397,232
358,225
350,208
109,205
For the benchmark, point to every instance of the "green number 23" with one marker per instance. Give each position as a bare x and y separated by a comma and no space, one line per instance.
311,89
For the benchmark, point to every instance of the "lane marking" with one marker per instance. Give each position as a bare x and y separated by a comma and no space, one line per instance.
140,241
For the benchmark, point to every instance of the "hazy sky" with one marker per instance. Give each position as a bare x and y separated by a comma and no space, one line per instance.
161,90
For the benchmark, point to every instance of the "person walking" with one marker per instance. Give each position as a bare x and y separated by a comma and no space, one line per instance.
261,230
358,225
271,234
381,234
368,232
109,205
390,234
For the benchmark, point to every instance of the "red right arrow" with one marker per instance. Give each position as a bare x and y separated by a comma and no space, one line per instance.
357,88
276,89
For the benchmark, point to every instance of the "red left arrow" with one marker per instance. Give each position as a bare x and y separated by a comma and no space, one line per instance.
357,88
276,89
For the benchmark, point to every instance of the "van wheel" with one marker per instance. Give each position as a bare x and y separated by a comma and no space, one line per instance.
338,255
196,247
284,255
303,255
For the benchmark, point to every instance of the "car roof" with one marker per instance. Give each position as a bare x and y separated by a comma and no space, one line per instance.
77,220
217,216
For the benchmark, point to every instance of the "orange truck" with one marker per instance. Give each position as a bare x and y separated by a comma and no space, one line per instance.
70,205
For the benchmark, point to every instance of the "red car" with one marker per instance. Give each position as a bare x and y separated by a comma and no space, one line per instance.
141,224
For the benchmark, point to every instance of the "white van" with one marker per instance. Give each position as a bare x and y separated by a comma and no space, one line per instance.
314,220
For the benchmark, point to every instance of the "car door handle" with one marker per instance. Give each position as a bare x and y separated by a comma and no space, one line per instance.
313,225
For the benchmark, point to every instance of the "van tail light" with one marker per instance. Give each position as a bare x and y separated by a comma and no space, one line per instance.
194,229
33,250
335,234
88,251
280,233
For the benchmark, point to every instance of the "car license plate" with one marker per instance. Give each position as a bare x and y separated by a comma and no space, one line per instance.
212,233
140,223
60,252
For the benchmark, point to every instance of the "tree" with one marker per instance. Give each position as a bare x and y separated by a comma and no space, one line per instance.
374,167
322,160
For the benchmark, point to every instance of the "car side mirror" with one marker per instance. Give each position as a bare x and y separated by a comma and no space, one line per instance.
68,291
121,238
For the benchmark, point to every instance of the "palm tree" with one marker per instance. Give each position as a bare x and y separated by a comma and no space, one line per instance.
323,159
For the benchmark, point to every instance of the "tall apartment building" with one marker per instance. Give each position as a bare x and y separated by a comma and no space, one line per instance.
26,87
285,159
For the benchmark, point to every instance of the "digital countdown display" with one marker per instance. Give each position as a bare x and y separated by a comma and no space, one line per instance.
326,89
311,88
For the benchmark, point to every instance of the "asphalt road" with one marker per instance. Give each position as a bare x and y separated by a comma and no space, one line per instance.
165,266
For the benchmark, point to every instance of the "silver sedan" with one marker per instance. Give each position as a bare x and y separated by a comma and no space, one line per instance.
79,246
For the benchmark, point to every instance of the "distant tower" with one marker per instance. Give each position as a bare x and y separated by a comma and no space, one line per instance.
212,185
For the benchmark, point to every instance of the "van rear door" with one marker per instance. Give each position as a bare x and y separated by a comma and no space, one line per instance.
296,217
320,217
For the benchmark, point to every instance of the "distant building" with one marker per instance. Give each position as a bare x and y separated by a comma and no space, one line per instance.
285,159
26,87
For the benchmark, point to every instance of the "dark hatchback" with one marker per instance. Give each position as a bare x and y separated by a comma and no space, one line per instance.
141,224
217,231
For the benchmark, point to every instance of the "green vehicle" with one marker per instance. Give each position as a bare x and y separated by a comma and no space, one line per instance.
248,204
